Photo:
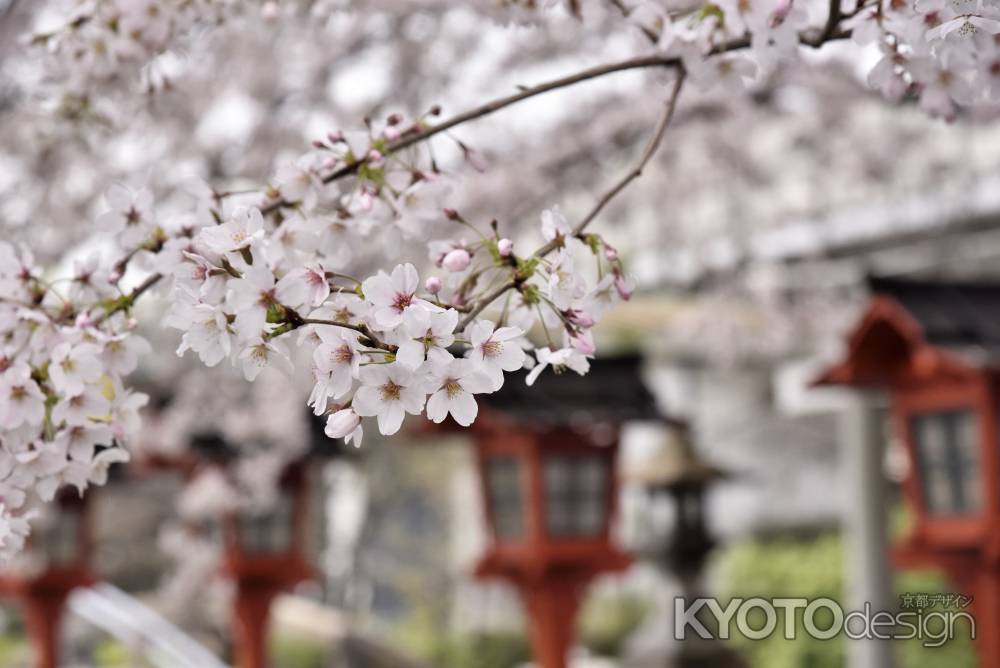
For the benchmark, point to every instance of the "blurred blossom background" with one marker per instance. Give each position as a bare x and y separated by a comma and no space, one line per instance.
751,237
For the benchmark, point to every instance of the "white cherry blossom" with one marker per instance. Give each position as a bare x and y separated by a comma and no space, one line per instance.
388,392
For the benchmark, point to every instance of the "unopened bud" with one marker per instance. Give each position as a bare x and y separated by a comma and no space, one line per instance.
457,260
451,214
584,343
342,423
433,285
505,247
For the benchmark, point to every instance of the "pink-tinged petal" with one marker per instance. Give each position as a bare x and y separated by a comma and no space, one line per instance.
405,279
506,333
412,400
144,200
445,323
464,409
511,357
388,317
374,375
479,332
378,289
411,354
390,419
366,401
477,382
118,197
437,406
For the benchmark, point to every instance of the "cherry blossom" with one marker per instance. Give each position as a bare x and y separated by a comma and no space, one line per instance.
262,275
567,358
388,393
453,385
394,295
495,350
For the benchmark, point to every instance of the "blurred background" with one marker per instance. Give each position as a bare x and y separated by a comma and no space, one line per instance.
815,273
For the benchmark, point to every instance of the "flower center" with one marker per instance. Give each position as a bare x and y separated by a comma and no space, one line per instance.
390,391
342,355
452,387
132,217
18,393
491,348
401,301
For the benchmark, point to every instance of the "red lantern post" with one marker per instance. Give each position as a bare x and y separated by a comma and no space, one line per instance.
546,457
932,345
62,544
265,555
550,498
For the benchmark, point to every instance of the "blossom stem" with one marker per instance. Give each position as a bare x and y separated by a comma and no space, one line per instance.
370,339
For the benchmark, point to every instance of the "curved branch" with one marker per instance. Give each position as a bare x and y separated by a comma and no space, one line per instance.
651,146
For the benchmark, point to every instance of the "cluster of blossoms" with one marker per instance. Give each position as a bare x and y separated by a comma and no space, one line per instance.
64,410
266,279
258,283
944,52
113,46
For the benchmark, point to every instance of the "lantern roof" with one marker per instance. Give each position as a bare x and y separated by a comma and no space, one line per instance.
918,328
951,314
612,391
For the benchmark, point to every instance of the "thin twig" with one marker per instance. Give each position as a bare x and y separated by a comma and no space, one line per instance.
483,302
372,340
501,103
647,154
651,146
832,20
127,301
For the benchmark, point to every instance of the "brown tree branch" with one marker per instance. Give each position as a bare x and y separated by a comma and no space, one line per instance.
647,154
506,101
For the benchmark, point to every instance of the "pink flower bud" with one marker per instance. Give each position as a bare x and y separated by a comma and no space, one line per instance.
623,286
505,247
391,133
584,343
342,423
335,137
433,285
375,156
581,319
457,260
780,13
451,214
329,162
610,253
114,277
